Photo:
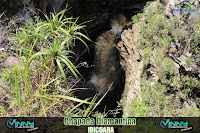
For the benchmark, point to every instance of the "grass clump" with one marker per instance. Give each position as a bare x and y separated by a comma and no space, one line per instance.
39,86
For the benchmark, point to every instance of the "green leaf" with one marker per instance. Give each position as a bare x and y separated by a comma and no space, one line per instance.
47,52
61,69
72,99
70,65
8,92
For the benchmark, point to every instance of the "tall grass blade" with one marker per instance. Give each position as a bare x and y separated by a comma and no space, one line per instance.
88,110
72,99
61,69
8,92
70,111
48,52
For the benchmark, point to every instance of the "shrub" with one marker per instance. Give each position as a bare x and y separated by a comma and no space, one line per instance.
164,97
136,17
39,85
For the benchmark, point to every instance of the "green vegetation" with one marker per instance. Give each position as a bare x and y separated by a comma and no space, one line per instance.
169,94
195,45
136,18
39,86
138,109
42,85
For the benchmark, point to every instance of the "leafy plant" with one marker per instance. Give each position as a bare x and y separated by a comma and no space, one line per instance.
37,87
54,34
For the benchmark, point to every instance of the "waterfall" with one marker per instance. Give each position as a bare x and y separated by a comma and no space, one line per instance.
107,60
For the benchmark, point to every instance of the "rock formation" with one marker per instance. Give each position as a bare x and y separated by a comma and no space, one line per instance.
180,61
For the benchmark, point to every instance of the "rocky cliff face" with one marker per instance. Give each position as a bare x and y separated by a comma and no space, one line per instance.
132,62
162,73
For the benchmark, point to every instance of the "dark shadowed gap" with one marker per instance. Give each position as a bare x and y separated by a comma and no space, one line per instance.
110,102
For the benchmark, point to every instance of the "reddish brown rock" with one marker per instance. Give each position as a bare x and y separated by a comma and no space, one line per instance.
10,61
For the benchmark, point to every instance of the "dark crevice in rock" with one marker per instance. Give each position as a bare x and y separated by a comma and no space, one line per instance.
182,71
